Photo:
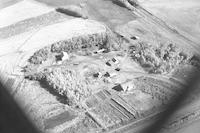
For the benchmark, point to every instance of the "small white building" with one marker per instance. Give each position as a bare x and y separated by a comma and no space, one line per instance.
128,86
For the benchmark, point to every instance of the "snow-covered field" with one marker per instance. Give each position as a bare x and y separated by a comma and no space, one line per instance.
130,30
22,10
184,15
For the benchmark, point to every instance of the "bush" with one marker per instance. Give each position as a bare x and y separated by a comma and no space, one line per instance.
40,56
97,41
64,82
161,59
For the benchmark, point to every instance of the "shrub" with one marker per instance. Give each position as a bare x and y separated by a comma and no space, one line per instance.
40,56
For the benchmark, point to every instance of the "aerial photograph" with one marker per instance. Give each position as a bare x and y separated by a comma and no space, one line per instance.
100,66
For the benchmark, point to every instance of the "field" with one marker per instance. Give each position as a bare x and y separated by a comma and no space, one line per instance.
106,67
